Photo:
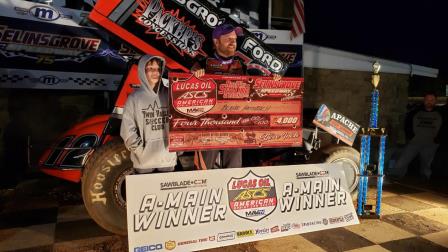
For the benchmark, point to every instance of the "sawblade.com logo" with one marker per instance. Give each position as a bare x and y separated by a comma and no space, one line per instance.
193,97
252,197
167,25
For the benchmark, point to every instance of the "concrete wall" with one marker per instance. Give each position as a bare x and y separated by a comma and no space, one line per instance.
349,92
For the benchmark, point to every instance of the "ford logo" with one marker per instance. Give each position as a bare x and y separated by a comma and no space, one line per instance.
49,80
44,13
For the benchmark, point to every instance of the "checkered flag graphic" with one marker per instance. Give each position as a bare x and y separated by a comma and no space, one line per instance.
81,57
12,78
89,81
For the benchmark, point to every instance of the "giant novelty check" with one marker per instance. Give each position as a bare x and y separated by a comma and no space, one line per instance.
219,112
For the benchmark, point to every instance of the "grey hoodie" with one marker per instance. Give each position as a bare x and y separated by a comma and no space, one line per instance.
144,126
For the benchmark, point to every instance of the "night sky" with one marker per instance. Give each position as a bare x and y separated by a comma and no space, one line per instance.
407,31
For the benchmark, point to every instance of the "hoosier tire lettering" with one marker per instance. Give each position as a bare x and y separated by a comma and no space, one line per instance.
101,177
103,184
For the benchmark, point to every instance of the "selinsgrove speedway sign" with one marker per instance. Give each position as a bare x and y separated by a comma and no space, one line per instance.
46,47
186,211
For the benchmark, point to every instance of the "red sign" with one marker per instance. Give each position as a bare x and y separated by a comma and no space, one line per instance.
219,112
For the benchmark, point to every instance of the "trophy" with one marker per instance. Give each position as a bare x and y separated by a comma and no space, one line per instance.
367,168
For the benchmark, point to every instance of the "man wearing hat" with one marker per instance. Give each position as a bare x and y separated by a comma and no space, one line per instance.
225,62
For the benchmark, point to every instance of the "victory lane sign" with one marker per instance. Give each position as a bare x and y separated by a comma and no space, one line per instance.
218,112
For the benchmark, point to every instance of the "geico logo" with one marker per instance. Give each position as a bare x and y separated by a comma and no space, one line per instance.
259,193
148,248
44,13
194,94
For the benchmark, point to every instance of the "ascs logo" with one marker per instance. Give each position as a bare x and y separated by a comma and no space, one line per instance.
46,13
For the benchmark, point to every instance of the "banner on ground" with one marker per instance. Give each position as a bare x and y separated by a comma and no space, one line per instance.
47,47
180,31
189,211
218,112
336,124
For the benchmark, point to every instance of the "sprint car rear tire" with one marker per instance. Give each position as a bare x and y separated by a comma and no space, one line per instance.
103,186
348,157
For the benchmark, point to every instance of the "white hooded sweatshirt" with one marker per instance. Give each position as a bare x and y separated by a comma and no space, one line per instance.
145,124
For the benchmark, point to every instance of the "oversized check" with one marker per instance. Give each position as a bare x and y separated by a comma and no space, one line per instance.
219,112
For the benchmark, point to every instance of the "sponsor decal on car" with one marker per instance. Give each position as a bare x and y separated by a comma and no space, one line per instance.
170,26
46,13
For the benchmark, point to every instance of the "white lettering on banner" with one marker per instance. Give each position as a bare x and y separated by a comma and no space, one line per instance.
325,192
197,210
197,207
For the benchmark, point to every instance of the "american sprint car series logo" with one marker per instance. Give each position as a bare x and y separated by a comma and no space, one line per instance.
166,24
252,197
193,97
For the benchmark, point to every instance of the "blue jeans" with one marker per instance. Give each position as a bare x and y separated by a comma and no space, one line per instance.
425,153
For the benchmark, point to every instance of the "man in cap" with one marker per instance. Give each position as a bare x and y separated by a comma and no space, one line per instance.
225,62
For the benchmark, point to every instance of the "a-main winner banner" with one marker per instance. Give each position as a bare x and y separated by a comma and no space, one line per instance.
219,112
189,211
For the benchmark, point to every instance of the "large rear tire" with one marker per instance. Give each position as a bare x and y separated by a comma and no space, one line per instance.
345,155
103,186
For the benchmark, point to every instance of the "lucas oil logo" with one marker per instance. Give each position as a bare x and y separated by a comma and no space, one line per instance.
193,97
169,26
252,197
